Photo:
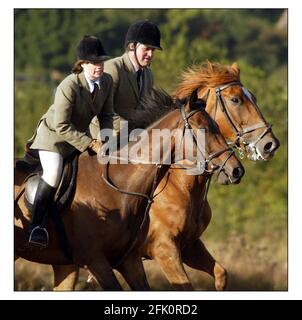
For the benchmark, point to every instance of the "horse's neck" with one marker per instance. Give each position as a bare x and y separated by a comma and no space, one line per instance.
140,177
128,177
187,183
152,148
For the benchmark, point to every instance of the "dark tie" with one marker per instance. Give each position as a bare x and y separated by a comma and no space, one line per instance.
94,92
139,79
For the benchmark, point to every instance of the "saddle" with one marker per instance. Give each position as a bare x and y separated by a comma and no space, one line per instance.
66,186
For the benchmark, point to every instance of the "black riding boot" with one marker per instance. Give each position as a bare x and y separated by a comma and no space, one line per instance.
44,196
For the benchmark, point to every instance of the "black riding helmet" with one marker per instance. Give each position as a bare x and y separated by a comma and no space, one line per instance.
144,32
91,49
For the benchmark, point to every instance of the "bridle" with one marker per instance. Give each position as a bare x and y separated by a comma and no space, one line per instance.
208,168
237,129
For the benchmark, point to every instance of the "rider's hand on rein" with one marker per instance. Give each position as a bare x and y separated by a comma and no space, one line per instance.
95,146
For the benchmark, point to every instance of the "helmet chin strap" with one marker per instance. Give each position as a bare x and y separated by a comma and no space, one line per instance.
135,55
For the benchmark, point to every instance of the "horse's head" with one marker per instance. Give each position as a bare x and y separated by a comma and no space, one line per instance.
233,107
218,156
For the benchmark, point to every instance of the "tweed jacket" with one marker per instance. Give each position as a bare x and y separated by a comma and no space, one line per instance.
126,95
63,128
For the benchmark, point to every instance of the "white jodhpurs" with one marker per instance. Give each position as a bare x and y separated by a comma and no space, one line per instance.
52,165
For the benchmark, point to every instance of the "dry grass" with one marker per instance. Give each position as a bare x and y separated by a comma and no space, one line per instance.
251,266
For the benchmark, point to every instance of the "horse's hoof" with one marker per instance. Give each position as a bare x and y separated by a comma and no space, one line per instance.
220,278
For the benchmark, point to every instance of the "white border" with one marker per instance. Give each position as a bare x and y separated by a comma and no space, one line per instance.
6,176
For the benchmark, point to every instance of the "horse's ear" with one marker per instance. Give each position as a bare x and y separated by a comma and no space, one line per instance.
197,103
193,99
235,67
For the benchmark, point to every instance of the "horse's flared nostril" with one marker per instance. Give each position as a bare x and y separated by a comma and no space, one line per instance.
238,172
271,146
268,147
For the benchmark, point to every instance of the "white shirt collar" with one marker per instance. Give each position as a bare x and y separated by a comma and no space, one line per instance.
91,82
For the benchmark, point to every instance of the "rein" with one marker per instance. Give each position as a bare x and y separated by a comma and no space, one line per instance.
148,197
108,181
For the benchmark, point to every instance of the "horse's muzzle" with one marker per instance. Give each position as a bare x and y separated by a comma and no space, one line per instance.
270,147
264,149
233,177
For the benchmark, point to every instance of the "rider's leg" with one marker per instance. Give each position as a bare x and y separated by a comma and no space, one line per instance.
52,164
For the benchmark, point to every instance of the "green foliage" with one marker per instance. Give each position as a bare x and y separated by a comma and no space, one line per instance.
32,100
45,41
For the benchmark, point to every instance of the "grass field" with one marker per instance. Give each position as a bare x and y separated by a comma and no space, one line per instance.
251,266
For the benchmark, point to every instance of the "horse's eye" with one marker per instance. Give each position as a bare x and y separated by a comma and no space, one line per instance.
235,100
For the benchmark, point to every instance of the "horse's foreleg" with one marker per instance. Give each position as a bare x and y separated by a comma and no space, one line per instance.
65,277
198,257
132,270
167,255
103,274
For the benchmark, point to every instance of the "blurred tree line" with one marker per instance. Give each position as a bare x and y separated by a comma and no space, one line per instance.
45,41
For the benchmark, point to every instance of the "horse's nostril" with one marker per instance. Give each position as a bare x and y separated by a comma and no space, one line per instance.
271,146
268,146
238,172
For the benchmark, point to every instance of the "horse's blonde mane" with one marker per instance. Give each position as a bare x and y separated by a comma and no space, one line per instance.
206,74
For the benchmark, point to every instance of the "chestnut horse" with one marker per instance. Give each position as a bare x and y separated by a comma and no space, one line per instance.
180,212
107,228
